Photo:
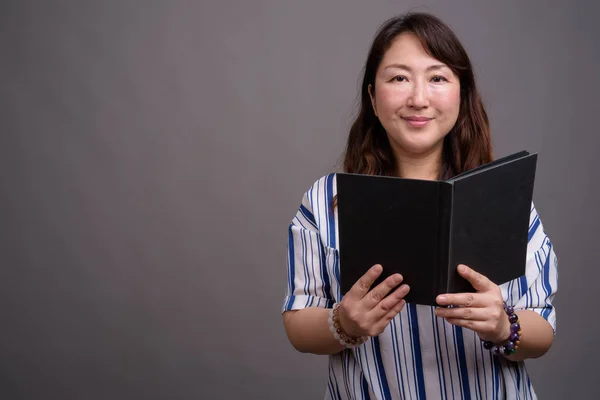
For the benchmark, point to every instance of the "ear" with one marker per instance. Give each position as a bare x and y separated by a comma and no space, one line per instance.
372,96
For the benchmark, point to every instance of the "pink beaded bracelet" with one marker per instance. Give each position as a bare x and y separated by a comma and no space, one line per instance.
338,333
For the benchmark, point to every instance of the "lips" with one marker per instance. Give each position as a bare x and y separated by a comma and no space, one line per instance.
417,121
417,118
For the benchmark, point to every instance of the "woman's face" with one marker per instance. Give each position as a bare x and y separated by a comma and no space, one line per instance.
416,98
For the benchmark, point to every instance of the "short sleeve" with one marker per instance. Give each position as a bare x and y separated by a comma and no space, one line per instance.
308,282
535,290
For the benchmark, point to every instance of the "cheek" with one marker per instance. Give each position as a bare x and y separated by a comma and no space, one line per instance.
389,98
449,100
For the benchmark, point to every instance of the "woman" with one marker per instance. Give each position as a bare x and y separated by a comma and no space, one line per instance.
421,117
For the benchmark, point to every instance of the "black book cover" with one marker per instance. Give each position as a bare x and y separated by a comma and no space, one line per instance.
425,229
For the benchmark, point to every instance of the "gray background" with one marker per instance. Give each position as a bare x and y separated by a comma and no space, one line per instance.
152,154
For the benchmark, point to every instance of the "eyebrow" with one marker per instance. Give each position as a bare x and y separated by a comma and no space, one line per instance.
407,68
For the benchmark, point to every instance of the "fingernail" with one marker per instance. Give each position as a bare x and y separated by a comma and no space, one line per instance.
442,298
462,268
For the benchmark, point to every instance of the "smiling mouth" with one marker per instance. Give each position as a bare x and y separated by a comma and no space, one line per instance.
417,121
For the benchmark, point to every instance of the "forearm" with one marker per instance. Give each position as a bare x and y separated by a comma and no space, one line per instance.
536,338
308,331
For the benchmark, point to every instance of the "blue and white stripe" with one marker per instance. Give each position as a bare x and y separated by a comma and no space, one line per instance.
418,356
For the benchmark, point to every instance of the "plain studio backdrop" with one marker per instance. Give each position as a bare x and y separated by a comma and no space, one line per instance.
153,154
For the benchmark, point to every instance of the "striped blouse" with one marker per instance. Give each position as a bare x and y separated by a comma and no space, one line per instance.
418,355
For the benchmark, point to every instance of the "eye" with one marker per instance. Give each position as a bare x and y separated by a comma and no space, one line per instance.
439,79
399,78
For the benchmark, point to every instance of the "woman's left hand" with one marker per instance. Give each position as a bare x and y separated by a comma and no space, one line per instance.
482,312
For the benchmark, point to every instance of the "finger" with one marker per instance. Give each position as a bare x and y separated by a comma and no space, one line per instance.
461,299
380,291
464,313
479,281
394,311
477,326
381,323
362,286
386,305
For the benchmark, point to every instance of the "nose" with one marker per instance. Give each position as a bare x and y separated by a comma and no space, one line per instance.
418,97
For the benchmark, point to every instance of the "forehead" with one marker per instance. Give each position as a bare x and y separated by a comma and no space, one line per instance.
406,49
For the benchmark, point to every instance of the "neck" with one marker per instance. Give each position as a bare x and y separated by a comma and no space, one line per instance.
422,166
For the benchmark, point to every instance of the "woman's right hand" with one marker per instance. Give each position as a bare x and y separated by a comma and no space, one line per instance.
366,312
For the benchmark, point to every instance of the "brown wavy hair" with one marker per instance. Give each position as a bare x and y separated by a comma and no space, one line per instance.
466,146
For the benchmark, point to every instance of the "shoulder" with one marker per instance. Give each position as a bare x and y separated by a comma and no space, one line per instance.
324,181
321,192
317,202
537,236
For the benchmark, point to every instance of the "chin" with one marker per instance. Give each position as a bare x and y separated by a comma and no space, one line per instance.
418,146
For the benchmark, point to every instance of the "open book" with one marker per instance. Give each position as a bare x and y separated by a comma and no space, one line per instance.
425,229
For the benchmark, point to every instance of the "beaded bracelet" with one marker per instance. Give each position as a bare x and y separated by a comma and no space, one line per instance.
336,328
515,335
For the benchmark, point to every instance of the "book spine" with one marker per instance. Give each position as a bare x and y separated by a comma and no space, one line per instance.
450,268
444,237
